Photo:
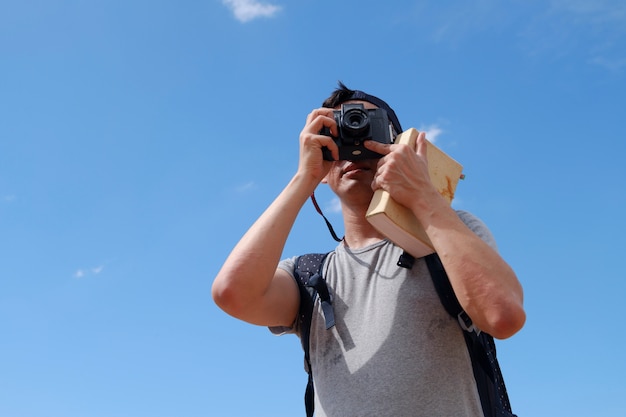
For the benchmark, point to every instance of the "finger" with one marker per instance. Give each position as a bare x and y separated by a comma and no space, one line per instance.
316,142
381,148
421,145
318,120
330,144
322,111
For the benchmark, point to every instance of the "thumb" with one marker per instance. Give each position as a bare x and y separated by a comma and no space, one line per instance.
421,145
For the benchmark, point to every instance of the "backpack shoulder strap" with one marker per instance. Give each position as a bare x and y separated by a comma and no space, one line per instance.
446,293
480,345
310,280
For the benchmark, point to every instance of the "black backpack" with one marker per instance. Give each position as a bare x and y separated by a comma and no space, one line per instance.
482,349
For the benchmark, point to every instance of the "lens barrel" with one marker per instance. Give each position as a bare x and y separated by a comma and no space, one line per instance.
354,122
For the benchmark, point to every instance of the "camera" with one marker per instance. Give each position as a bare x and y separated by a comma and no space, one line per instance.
355,125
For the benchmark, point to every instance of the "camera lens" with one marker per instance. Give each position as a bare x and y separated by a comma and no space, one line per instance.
355,122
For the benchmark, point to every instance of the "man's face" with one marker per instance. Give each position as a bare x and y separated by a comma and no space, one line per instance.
353,179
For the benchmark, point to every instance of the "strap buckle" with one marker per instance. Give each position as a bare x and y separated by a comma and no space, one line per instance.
466,323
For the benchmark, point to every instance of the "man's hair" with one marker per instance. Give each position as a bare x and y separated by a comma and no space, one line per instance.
340,95
343,94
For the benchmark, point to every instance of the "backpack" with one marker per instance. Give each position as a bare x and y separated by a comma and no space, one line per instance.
481,346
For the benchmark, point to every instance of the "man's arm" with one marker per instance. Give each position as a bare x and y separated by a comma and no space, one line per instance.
485,285
250,286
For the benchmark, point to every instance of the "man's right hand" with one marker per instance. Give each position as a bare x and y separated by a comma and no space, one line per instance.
312,142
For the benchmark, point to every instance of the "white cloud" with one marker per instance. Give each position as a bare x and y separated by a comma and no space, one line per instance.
432,132
614,65
246,10
246,187
9,198
596,12
553,29
334,206
82,273
593,28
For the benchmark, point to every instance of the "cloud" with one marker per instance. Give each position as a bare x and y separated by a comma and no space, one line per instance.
81,273
432,132
597,12
9,198
614,65
247,10
589,29
594,29
334,205
246,187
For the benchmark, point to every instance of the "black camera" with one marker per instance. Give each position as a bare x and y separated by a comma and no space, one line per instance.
356,124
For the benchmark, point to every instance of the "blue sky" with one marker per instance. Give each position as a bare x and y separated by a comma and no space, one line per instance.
139,140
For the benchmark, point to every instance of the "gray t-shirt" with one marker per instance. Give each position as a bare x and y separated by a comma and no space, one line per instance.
394,350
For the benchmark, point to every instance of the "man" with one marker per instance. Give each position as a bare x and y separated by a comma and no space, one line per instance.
394,350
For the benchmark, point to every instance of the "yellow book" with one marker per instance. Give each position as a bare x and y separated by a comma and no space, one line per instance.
396,221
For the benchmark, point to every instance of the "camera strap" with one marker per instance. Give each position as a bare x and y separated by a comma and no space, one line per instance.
330,226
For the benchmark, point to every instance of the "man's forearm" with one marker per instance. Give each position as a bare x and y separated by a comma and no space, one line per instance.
483,282
248,271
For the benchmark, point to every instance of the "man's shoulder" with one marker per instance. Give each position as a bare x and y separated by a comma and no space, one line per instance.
477,226
288,264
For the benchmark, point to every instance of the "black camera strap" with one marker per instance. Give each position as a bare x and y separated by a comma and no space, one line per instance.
330,226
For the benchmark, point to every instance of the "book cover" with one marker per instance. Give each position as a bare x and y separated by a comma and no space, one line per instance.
396,221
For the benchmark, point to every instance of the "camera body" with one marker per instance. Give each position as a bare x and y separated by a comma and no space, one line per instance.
355,125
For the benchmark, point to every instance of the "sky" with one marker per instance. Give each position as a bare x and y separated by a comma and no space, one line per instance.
139,140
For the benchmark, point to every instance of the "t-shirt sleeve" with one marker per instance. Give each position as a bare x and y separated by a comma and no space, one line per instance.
287,265
477,226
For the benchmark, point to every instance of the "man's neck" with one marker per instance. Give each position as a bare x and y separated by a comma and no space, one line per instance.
359,232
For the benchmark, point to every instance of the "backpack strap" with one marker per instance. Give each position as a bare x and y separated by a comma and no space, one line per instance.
310,280
446,293
481,346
